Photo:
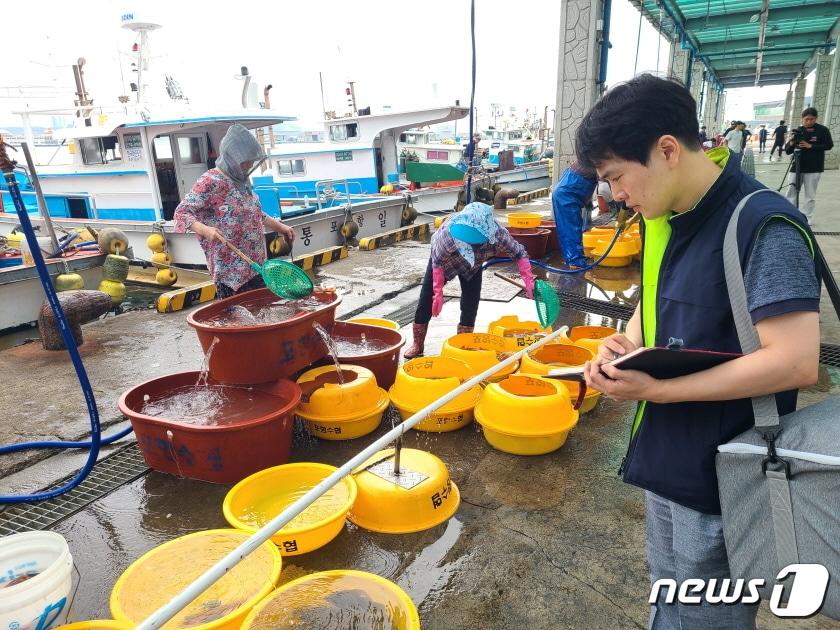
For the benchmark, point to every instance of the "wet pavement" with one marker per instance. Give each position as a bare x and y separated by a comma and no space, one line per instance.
553,541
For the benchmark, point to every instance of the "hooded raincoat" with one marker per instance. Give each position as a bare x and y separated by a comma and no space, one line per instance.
222,198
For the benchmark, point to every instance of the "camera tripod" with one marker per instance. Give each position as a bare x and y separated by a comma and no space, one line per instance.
797,178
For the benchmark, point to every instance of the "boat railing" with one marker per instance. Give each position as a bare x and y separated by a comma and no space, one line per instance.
326,190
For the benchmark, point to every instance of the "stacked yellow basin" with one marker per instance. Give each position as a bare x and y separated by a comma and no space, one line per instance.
480,351
517,334
553,355
393,508
590,337
423,380
341,411
622,252
591,237
526,415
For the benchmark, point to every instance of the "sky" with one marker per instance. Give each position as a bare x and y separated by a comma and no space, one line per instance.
402,54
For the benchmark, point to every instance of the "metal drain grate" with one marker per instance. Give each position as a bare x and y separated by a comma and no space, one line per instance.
596,307
830,354
404,315
826,233
116,470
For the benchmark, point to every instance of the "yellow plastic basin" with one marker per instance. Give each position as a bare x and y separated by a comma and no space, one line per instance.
621,253
524,219
336,411
423,380
552,355
389,508
257,499
517,334
480,351
335,599
590,337
526,415
153,579
376,321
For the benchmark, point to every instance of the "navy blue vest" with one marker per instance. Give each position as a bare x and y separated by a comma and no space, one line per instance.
673,451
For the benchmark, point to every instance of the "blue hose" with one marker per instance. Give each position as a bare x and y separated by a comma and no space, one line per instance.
15,448
73,351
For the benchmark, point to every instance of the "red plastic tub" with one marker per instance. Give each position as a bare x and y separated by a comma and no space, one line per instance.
262,353
382,363
551,226
535,240
225,452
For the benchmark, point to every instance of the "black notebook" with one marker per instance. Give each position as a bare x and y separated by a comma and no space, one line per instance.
658,362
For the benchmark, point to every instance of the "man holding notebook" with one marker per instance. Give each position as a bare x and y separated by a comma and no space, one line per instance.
655,164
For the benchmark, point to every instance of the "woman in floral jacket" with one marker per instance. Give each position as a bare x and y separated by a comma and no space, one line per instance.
222,206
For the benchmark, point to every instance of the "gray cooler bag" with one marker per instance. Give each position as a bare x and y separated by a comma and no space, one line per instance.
780,482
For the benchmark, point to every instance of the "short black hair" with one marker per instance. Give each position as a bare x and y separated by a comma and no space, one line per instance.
809,111
781,122
630,117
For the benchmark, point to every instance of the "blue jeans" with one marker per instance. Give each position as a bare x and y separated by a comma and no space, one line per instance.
681,544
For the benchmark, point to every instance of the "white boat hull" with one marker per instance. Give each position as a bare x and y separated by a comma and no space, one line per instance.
22,293
314,232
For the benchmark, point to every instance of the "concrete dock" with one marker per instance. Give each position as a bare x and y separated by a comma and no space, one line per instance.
554,541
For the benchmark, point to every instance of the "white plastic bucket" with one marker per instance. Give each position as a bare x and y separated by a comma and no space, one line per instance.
40,602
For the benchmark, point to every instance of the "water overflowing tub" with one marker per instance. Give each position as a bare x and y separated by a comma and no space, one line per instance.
262,337
210,431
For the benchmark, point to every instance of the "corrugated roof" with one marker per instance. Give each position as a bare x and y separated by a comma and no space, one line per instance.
749,42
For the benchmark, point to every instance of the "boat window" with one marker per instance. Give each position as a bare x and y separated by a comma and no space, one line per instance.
291,167
515,135
342,133
100,150
163,149
189,150
437,155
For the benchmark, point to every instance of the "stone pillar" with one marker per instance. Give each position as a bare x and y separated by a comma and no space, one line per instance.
710,104
788,106
720,110
697,84
577,75
822,79
798,102
831,117
678,66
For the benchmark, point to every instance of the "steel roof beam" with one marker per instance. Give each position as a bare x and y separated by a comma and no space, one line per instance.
762,18
769,51
747,70
747,81
770,42
800,12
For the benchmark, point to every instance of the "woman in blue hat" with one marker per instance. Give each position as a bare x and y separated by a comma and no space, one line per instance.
459,248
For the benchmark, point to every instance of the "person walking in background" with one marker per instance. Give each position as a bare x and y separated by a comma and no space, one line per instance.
812,140
746,135
779,134
703,137
762,138
734,140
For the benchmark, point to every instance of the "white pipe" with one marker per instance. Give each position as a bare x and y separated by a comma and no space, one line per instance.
218,570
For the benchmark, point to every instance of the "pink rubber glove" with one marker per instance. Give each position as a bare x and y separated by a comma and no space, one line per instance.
527,277
438,280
